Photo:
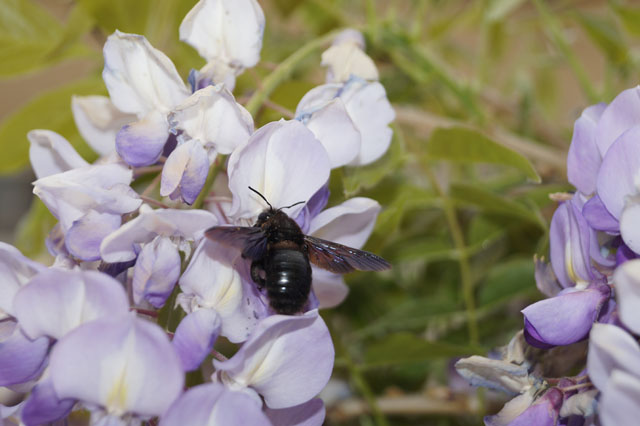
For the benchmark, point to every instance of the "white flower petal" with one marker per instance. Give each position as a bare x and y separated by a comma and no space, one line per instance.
50,153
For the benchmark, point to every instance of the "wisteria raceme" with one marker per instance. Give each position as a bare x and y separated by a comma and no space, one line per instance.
593,285
137,296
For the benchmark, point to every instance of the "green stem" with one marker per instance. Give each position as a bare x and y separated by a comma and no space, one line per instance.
553,27
463,258
284,70
363,388
211,177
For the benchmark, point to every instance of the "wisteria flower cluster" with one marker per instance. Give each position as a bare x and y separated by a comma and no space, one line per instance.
593,290
85,334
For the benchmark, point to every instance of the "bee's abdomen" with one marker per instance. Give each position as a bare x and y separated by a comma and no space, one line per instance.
288,280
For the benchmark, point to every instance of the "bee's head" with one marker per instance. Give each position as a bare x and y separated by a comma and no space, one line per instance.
268,213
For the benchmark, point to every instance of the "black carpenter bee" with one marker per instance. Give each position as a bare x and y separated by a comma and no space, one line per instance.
280,254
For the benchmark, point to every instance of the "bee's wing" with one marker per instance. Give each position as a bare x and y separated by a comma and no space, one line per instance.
340,259
251,240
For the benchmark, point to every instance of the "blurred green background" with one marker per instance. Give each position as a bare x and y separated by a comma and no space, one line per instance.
485,93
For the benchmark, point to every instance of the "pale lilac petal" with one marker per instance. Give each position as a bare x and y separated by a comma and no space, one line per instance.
583,404
195,336
216,71
564,319
345,60
287,359
610,348
225,30
185,172
284,162
629,230
543,412
313,207
329,288
72,194
50,153
499,375
621,114
571,243
122,363
214,118
98,121
619,402
15,271
598,217
57,301
334,128
85,235
44,406
546,280
511,410
121,245
627,282
213,281
21,359
311,413
349,223
619,171
139,78
213,405
156,272
583,159
141,143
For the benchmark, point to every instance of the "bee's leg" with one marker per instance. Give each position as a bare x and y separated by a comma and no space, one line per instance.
256,270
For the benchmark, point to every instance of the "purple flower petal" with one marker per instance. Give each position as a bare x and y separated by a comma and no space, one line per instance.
72,194
311,413
329,288
84,237
566,318
315,205
598,217
44,406
15,271
213,281
214,118
284,162
583,160
139,78
195,336
619,402
156,272
546,280
141,143
621,114
213,404
122,245
349,223
21,359
620,166
627,282
334,128
624,254
185,172
543,412
122,363
571,241
57,301
98,121
287,359
235,39
50,153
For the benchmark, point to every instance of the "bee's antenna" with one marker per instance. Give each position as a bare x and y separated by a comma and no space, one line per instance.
262,196
294,204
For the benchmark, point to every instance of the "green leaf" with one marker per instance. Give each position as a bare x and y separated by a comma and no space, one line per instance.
629,16
31,39
494,203
404,348
508,280
605,35
51,111
459,144
33,228
499,9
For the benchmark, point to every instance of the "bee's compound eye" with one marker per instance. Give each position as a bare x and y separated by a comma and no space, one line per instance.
263,216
